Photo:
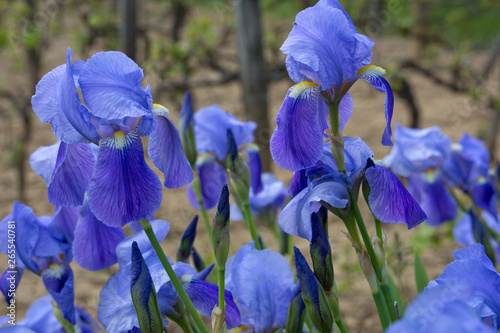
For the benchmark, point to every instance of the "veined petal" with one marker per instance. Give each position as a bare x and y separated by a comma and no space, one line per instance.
72,174
94,246
43,161
298,140
374,76
345,110
111,87
47,105
76,113
123,187
165,150
295,217
58,280
64,223
204,296
389,200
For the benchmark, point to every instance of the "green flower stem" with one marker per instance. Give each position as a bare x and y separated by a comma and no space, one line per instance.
222,272
378,228
382,310
341,326
247,214
173,277
384,285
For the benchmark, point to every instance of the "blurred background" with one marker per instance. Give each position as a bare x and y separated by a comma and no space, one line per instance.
442,59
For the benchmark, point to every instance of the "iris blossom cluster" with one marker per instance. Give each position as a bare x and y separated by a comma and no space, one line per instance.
325,57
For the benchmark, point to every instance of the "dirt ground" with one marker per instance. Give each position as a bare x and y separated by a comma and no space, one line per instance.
454,112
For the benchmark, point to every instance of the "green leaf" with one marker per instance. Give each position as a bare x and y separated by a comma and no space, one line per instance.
397,295
421,277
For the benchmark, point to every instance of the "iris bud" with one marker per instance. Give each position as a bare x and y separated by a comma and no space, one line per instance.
220,228
186,244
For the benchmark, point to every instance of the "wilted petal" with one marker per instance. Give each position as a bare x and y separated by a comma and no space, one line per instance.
165,150
123,187
389,200
111,87
72,174
297,141
94,246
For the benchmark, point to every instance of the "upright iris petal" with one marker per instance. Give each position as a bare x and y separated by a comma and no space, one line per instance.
123,187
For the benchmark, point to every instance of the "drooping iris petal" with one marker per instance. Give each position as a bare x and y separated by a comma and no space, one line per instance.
123,187
255,168
58,280
262,283
297,141
417,150
485,196
345,110
211,125
389,200
76,113
165,150
431,193
64,223
205,297
324,47
111,87
72,174
160,229
94,246
43,161
272,194
374,76
295,217
47,105
27,235
9,280
212,178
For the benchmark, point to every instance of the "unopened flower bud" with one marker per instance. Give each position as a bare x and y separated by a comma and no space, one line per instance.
220,228
186,244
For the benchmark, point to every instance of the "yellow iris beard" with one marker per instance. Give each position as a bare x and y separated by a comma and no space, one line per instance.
371,70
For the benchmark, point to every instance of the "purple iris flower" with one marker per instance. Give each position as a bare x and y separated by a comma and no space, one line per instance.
41,247
473,269
265,203
116,310
211,126
40,318
322,184
120,186
263,285
419,155
325,57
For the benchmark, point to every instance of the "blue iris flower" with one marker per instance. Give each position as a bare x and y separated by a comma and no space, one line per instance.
120,186
262,283
116,310
325,57
322,184
211,124
40,318
265,203
419,155
43,247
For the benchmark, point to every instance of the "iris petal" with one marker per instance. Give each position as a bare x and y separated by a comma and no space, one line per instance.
373,75
58,280
389,200
95,243
212,178
43,161
297,141
165,150
111,87
72,174
123,187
